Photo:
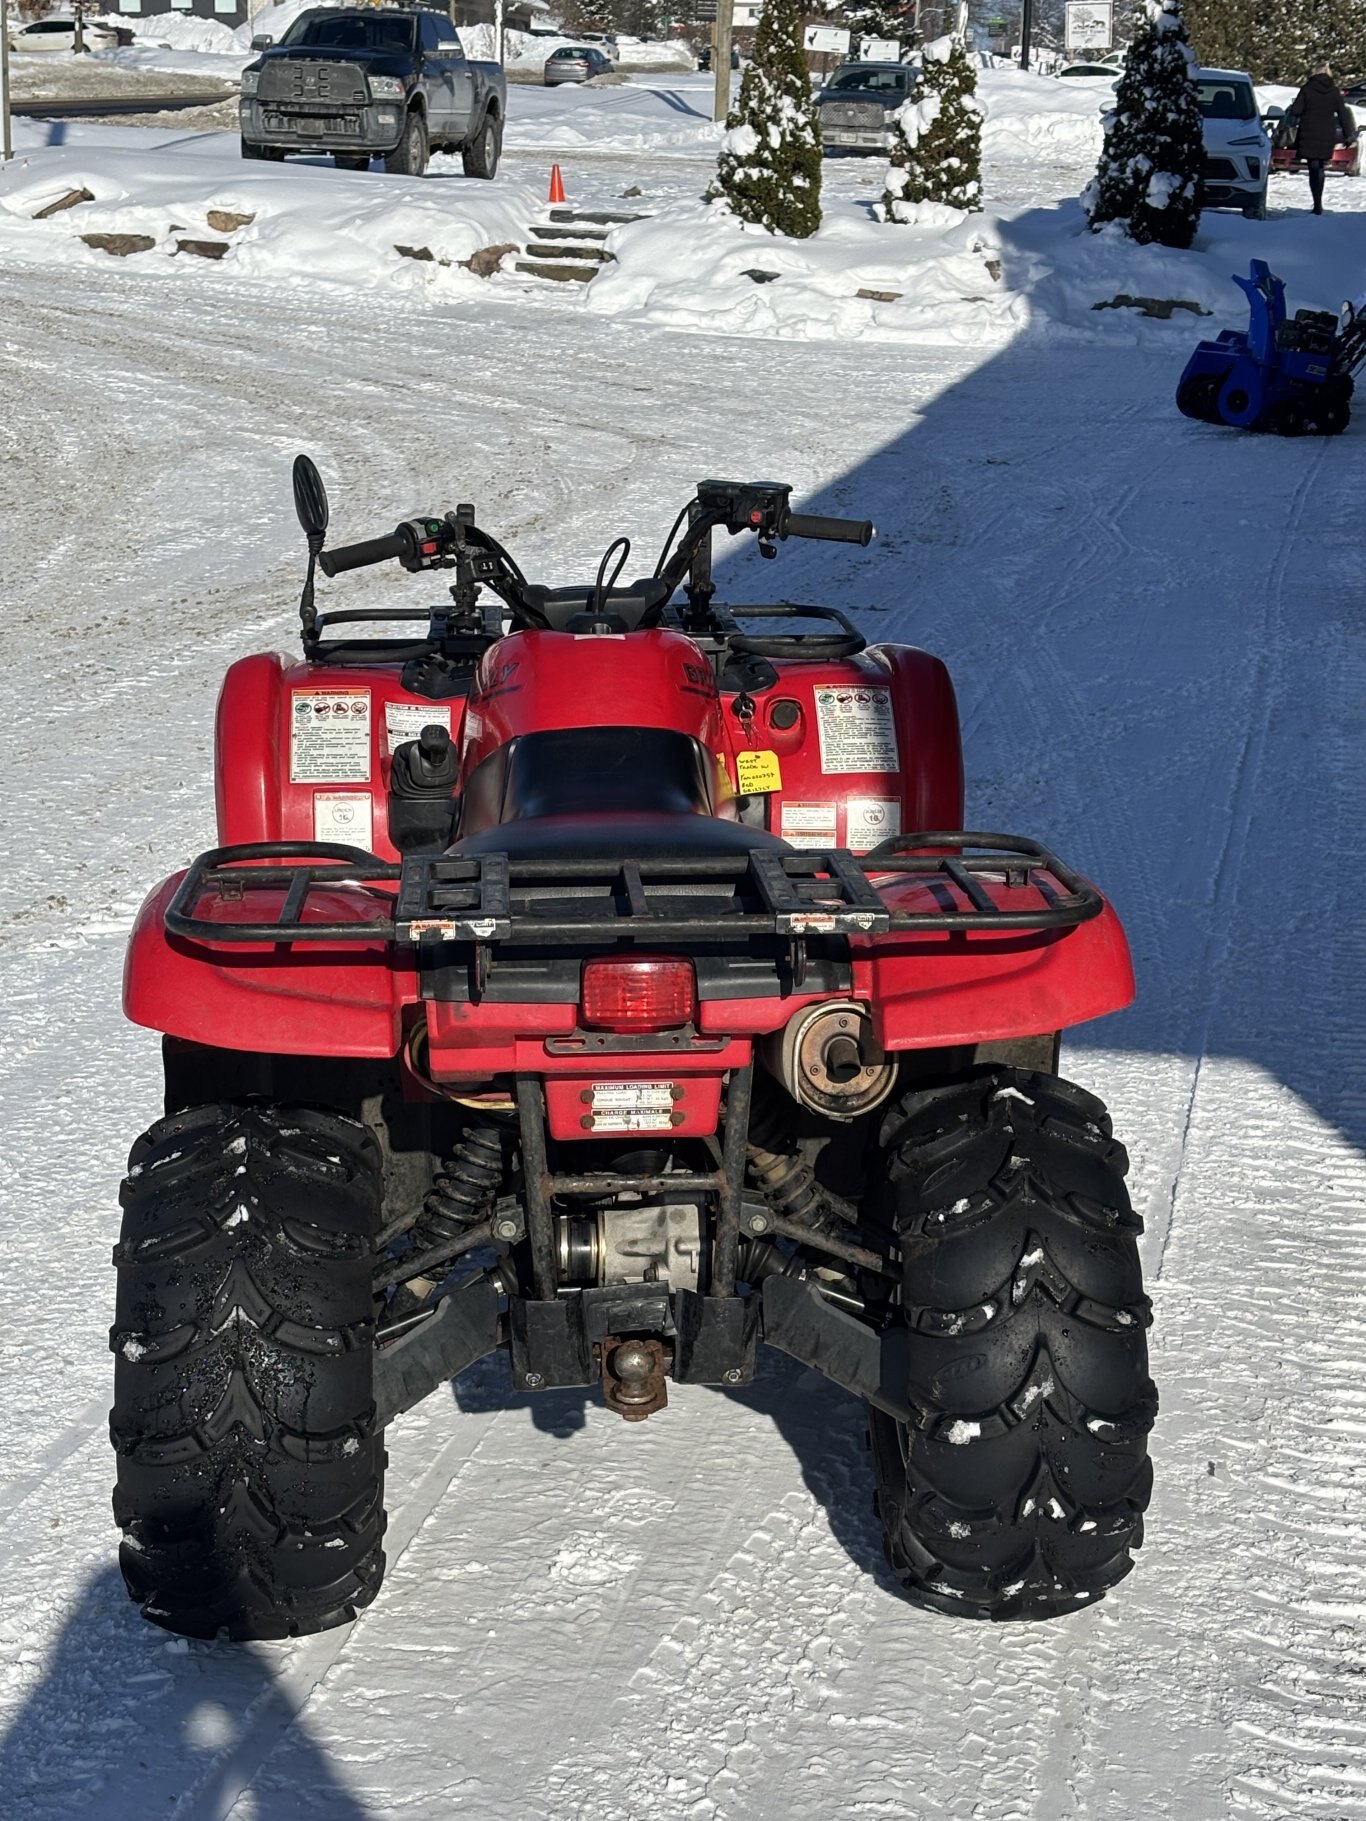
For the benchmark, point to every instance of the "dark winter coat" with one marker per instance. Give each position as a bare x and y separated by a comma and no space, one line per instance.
1320,110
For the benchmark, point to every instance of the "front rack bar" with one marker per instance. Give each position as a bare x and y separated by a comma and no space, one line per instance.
489,898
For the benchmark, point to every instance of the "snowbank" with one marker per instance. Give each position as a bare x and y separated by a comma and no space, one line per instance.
306,225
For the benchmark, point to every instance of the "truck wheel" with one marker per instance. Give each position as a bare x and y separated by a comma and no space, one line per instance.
250,1468
1017,1490
270,154
409,156
480,154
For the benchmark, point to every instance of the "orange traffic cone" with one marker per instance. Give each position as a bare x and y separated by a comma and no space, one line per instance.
556,184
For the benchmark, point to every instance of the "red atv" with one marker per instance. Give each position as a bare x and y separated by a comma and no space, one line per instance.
606,979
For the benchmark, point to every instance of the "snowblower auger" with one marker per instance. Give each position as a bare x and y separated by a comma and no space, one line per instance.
1292,378
606,979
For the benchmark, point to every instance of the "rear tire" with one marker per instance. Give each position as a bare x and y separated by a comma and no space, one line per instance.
1017,1491
479,155
250,1467
409,156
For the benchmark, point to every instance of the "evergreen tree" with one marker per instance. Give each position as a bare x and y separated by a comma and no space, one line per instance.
769,171
936,138
886,19
1150,166
1281,42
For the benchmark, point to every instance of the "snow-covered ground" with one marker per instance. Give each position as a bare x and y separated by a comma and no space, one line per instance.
1157,635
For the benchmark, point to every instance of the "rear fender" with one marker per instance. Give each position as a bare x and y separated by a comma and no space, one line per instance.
931,991
344,1001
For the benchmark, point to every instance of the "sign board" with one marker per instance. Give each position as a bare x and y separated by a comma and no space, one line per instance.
828,38
1090,27
880,50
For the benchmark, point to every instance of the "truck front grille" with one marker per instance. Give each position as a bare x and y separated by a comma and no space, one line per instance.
317,86
865,114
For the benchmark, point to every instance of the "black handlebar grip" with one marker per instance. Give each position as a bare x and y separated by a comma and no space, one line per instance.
832,530
360,556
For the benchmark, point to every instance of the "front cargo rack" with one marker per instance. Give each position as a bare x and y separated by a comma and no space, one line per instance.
499,897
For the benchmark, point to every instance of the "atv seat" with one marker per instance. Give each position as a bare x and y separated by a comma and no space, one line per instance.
632,836
600,793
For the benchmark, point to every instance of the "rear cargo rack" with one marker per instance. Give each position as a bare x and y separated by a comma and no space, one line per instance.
498,897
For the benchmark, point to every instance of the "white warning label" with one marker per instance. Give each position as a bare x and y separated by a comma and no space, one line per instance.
869,820
329,736
809,825
345,816
857,729
632,1106
405,721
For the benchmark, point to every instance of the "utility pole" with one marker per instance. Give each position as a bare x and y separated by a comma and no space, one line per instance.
497,31
1026,31
720,58
6,142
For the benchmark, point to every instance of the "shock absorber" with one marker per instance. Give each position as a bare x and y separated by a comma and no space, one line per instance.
787,1180
464,1189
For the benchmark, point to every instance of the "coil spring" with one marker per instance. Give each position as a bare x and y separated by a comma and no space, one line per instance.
787,1180
464,1187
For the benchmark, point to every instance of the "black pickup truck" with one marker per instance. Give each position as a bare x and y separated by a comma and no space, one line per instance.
390,83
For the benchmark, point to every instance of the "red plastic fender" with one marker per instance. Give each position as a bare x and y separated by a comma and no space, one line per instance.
932,990
345,1000
860,748
272,783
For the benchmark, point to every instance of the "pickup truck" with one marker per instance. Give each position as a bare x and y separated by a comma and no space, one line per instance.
857,103
363,83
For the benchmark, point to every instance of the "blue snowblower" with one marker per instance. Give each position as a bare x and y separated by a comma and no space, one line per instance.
1290,378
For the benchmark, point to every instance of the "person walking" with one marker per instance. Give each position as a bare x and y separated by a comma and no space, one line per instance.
1320,110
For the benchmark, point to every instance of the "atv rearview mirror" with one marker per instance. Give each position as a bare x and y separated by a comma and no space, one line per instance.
310,498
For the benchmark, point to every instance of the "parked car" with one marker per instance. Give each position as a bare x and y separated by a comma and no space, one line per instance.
1108,71
1237,145
857,103
703,55
1346,160
575,63
59,35
363,84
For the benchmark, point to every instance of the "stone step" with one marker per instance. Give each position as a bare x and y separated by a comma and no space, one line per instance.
586,256
581,275
542,232
604,217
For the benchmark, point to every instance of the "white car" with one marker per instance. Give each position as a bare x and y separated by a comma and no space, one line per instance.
1237,144
59,35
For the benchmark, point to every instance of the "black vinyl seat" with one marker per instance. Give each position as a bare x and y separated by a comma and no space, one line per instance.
630,836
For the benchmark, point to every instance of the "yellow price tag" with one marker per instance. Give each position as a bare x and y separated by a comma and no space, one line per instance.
757,773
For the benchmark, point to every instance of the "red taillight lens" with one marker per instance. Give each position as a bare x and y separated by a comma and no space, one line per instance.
638,993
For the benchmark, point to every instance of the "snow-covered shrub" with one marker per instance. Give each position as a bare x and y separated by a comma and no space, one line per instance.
769,171
1148,178
936,153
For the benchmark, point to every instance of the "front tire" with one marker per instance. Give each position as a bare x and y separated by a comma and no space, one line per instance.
1256,209
250,1467
409,156
1017,1490
479,155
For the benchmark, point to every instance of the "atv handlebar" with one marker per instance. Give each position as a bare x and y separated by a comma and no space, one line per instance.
372,550
830,530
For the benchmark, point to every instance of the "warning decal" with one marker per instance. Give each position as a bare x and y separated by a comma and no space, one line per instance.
345,816
632,1106
809,825
858,732
869,820
329,736
405,721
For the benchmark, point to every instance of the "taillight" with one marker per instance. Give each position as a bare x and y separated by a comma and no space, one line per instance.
638,992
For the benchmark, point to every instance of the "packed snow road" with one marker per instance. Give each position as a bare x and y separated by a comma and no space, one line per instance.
1158,639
